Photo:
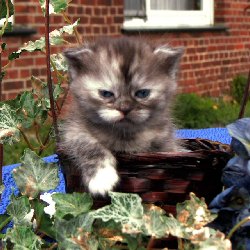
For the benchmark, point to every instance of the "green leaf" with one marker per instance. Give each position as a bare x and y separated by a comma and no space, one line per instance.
23,238
4,220
59,62
56,6
194,212
19,208
55,38
9,124
41,91
207,238
2,75
28,109
34,176
3,9
155,222
7,27
27,103
43,220
3,46
72,204
69,29
125,209
75,233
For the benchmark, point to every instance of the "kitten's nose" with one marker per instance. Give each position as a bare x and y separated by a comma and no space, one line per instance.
125,107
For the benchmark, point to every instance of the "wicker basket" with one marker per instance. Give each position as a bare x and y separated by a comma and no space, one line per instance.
167,178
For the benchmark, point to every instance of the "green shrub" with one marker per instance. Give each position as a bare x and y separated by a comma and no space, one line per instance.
238,87
193,111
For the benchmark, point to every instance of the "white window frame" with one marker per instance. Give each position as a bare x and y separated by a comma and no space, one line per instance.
173,18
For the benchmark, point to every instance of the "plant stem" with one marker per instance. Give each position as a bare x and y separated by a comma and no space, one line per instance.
150,243
77,35
49,79
38,135
26,139
45,142
237,226
7,65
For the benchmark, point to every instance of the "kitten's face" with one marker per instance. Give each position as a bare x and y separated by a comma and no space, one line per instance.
122,82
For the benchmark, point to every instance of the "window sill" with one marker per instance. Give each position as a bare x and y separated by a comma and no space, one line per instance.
142,29
20,31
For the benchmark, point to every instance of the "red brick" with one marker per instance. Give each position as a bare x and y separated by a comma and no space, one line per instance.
210,62
24,73
14,85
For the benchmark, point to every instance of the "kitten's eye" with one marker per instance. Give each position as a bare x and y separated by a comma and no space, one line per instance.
142,93
106,94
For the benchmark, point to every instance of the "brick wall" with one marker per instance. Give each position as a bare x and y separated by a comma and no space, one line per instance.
211,60
98,18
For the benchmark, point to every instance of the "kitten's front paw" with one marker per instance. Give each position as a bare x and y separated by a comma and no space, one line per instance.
104,180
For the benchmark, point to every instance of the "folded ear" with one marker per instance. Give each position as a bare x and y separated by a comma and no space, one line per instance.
169,58
78,60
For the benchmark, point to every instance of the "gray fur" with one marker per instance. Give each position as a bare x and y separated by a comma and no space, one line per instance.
96,127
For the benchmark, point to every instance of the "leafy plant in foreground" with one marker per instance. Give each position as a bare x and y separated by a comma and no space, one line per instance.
68,221
23,118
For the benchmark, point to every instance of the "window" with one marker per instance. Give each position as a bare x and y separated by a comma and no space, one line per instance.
168,13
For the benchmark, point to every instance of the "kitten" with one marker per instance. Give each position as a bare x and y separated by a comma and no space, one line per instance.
122,91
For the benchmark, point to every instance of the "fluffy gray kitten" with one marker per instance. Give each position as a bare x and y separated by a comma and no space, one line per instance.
122,91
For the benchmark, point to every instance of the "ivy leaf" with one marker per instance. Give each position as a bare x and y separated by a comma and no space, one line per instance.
194,212
28,109
75,233
208,238
72,204
39,45
23,238
59,62
3,47
41,91
69,29
4,220
156,222
125,209
3,9
2,75
9,124
55,6
19,208
43,221
27,104
34,176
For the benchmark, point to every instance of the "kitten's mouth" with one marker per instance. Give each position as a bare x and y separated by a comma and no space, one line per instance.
124,120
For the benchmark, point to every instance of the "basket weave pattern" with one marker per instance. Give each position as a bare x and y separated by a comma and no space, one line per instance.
166,178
